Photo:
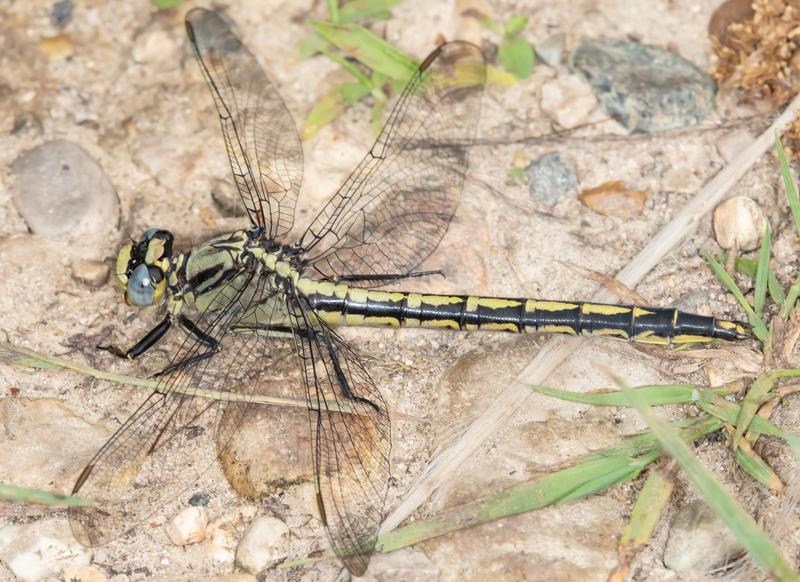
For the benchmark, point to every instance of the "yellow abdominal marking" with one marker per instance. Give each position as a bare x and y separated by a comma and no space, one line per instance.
691,339
499,326
556,329
435,300
549,306
589,308
361,296
492,302
639,312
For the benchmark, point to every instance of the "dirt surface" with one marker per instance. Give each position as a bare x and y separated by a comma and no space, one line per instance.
145,115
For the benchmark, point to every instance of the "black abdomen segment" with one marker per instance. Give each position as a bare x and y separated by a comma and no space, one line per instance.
468,312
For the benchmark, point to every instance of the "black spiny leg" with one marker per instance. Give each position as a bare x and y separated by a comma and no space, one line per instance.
200,335
342,377
386,278
144,344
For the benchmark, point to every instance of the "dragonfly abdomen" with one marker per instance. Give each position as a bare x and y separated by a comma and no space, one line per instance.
340,305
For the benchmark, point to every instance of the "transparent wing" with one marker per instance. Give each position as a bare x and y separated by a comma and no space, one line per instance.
351,449
393,210
157,453
263,145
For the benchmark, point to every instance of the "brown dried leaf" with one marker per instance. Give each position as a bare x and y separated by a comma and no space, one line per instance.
614,198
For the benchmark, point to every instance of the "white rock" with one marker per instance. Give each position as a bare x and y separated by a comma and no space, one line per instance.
731,144
154,45
698,540
188,527
263,543
739,222
568,101
83,574
42,548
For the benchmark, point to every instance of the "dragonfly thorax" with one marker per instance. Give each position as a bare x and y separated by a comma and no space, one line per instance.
142,267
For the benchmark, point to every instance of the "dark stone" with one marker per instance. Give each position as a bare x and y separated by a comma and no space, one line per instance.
645,88
199,499
551,178
61,13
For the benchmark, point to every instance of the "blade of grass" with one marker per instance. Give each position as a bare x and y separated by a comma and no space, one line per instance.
333,10
331,105
762,273
357,10
788,182
23,357
764,553
791,299
369,49
648,510
745,266
759,329
654,395
756,467
10,492
754,398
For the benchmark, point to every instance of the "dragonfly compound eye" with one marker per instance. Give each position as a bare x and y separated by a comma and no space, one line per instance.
141,288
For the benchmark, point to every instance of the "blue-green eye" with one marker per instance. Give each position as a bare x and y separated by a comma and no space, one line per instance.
140,287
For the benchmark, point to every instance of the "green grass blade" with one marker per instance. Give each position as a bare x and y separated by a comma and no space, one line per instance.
762,273
648,510
654,395
754,398
333,10
788,182
759,329
10,492
515,25
360,10
369,49
331,105
791,299
25,358
757,468
745,266
559,487
761,549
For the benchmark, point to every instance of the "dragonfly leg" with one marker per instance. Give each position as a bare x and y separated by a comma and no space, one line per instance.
144,344
202,337
386,278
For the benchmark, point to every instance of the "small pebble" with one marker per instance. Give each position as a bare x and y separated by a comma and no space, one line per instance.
551,49
551,178
83,574
188,527
568,101
739,223
643,87
727,13
92,273
263,543
57,47
199,499
61,13
615,199
42,548
699,541
154,45
59,189
731,144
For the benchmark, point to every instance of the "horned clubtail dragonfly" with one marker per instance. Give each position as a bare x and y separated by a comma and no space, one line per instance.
239,294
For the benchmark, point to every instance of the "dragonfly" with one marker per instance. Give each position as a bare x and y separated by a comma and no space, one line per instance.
240,295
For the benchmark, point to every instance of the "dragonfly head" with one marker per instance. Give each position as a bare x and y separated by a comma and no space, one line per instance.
142,267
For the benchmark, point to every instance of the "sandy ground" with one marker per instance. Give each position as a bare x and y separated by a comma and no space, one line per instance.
149,122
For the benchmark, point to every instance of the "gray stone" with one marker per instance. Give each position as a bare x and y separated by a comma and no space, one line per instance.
551,178
405,564
40,549
645,88
699,540
60,190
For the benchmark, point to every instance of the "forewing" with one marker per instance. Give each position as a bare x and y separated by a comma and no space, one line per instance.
393,210
156,454
351,449
263,145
